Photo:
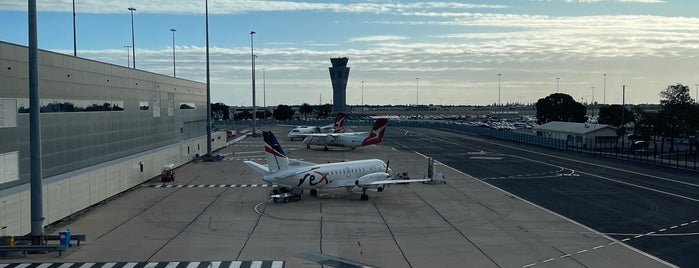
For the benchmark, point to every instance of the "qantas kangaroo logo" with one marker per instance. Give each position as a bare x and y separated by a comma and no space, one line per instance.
376,134
339,122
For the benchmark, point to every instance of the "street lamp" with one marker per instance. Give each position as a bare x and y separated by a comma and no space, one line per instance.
254,109
128,56
604,92
264,92
133,43
557,79
417,91
75,46
174,74
362,92
499,103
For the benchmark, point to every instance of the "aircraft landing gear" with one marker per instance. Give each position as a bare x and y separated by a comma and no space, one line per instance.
325,148
364,196
308,146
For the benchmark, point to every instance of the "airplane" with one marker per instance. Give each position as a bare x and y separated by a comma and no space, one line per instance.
300,132
293,176
348,139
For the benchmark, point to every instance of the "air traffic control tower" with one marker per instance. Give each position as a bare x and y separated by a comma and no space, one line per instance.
339,74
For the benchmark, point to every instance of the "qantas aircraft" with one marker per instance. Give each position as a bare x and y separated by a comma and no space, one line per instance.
348,139
293,176
300,132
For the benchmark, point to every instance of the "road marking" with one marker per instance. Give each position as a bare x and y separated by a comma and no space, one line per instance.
194,264
210,185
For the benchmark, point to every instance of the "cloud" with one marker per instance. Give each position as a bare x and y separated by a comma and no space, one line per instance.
235,7
378,38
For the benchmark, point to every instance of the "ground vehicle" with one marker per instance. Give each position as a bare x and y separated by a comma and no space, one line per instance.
168,173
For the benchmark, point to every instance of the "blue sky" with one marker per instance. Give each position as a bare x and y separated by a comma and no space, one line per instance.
455,48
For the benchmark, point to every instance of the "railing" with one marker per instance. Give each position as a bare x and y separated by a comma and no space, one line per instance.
686,157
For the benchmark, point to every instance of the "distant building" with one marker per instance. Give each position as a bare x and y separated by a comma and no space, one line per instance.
339,74
578,134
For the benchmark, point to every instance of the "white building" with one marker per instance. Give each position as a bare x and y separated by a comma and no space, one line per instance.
578,134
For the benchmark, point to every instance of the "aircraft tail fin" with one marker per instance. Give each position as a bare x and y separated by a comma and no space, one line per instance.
276,157
376,133
339,125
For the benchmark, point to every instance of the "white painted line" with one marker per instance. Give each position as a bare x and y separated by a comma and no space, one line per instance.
565,256
547,260
650,233
108,265
695,221
684,224
214,264
673,227
172,264
277,264
193,264
612,243
637,236
582,251
44,265
256,264
625,239
598,247
151,265
130,265
662,230
65,265
235,264
529,265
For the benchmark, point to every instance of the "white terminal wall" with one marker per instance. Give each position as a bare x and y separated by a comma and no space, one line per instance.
90,156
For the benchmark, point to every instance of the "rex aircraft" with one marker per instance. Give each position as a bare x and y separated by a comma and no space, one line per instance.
293,176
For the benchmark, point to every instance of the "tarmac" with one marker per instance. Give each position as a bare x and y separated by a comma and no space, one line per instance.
219,212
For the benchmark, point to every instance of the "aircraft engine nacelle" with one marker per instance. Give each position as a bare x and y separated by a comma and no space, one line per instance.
368,179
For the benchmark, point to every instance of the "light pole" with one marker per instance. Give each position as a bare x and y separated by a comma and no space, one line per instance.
264,92
604,92
499,103
128,56
254,109
75,46
133,40
593,101
174,74
362,92
208,83
417,91
557,79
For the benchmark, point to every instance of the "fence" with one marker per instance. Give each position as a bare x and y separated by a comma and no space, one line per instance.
682,156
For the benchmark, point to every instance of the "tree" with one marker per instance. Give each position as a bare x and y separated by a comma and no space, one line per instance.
305,109
220,108
324,110
283,112
611,115
678,116
560,107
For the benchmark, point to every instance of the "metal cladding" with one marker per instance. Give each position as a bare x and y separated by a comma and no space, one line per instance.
339,73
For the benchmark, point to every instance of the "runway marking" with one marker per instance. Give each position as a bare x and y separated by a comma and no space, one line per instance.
635,236
486,157
210,186
193,264
539,175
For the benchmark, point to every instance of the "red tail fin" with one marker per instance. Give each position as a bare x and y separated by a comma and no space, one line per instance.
376,133
339,125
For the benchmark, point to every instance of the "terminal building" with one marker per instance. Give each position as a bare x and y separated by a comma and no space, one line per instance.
104,129
339,73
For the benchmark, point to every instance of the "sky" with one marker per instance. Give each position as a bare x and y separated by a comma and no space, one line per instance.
474,52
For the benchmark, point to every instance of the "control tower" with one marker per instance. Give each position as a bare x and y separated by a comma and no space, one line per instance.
339,74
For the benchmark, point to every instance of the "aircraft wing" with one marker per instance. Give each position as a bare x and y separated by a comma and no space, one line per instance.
398,181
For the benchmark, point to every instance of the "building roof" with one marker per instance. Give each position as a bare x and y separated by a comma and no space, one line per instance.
572,128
